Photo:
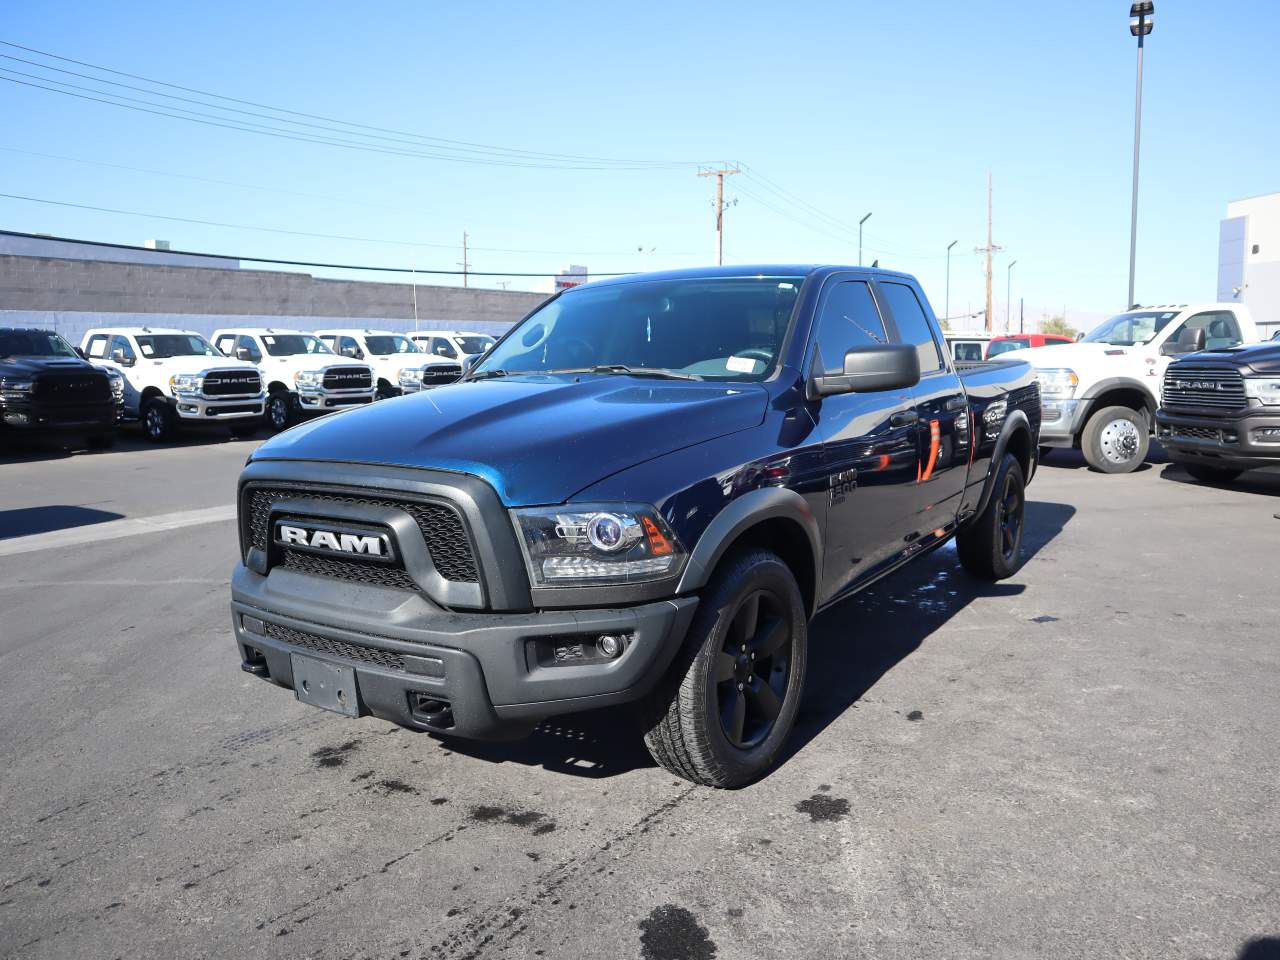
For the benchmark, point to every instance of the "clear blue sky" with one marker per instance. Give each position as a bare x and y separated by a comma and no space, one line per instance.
898,109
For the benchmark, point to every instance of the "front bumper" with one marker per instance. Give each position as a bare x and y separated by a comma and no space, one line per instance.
35,416
1060,421
325,401
1246,441
196,408
476,675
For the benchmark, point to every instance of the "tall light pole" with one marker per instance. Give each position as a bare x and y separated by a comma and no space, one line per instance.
1140,26
1008,293
860,223
947,310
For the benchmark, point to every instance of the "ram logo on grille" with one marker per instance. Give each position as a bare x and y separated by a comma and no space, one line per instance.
321,540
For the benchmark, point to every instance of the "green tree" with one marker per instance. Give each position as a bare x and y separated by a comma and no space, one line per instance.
945,324
1057,325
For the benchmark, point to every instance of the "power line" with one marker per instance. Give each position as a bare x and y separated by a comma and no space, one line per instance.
292,263
348,123
318,196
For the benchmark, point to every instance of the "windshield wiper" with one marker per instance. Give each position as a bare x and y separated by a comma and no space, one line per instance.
490,374
621,369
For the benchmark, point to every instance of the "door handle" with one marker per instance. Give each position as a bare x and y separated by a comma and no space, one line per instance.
904,418
956,403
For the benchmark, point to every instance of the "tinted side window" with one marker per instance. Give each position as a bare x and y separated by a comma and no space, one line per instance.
442,348
912,325
848,319
1220,329
123,344
247,343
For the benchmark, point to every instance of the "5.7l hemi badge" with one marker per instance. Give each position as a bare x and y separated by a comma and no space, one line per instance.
326,539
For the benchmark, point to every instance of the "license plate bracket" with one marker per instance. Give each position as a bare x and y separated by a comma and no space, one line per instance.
326,685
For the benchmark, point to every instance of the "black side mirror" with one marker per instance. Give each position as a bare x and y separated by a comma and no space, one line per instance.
1079,336
80,353
242,353
1189,341
871,369
120,357
468,362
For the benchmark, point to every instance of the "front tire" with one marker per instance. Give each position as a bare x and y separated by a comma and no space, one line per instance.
1116,440
280,411
159,422
726,707
1207,474
990,546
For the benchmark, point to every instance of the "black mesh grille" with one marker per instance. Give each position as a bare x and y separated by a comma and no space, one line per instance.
72,388
356,569
441,529
336,648
230,383
1196,433
348,378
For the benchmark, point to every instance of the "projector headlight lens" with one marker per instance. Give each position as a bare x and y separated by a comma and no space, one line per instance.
585,544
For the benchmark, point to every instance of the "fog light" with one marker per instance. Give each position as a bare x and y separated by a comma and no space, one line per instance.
1267,434
610,645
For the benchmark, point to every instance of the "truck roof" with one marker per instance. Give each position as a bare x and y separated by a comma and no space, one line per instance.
356,332
135,331
257,330
751,270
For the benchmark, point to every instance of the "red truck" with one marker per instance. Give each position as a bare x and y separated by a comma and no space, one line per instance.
1021,341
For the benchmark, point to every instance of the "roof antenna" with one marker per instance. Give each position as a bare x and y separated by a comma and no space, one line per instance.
874,264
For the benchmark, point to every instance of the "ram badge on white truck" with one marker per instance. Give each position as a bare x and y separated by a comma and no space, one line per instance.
392,356
1100,395
303,376
175,378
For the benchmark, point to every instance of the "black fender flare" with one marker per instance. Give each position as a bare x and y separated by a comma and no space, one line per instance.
1016,421
740,515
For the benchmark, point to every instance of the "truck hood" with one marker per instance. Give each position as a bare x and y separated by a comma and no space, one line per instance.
1261,359
1073,355
174,365
31,366
534,439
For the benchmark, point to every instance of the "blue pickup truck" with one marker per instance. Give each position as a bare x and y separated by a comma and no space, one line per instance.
643,492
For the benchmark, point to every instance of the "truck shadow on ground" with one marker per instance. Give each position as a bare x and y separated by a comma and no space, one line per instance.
1263,482
129,440
25,521
852,646
1062,458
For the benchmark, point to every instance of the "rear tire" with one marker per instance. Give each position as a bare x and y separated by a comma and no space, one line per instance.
1207,474
990,546
1116,440
725,708
159,422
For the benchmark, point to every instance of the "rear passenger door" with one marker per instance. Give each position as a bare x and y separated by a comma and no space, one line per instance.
869,444
943,409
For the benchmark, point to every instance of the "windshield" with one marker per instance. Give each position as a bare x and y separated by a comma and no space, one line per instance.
721,328
161,346
33,343
1131,328
474,344
1004,346
292,344
382,344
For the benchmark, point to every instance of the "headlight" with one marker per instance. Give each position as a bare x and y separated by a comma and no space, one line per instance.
308,378
16,387
412,374
597,543
117,384
1266,389
1058,383
185,383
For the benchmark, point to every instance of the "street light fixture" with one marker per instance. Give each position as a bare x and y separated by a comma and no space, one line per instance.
1140,26
947,309
1008,293
860,223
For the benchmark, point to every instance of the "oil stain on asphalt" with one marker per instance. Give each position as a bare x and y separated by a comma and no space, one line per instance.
334,756
673,933
490,813
824,809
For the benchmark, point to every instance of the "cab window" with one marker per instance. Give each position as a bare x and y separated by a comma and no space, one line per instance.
247,344
443,348
848,319
913,327
226,344
348,347
1220,329
122,349
98,346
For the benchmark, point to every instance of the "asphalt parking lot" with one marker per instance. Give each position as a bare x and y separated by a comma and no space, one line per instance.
1083,761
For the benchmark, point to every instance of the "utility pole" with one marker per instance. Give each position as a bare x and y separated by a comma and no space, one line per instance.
1022,306
1008,294
947,311
860,223
465,264
720,205
989,249
1139,27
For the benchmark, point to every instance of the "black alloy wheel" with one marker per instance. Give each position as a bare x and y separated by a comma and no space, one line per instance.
1010,512
753,668
279,411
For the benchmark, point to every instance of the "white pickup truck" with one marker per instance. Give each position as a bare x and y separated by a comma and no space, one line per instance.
455,345
175,378
302,375
1100,395
392,356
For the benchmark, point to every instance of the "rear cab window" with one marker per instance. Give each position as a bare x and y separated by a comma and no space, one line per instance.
913,326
